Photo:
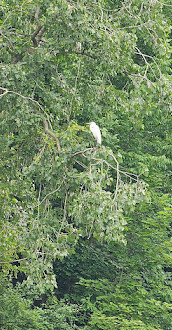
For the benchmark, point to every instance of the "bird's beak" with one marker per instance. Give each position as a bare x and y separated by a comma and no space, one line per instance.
87,123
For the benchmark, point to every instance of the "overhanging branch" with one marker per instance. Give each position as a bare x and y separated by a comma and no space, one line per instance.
45,121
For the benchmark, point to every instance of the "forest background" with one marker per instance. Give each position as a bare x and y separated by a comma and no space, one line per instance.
85,239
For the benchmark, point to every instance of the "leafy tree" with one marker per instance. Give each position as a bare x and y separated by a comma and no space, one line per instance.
64,63
17,312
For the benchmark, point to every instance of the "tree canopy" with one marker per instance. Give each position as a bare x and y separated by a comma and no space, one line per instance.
85,237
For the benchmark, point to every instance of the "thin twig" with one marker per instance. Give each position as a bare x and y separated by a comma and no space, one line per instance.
81,164
64,215
39,199
52,192
164,4
133,26
117,178
132,176
75,88
120,280
16,260
144,56
24,97
83,151
72,51
50,133
39,156
8,40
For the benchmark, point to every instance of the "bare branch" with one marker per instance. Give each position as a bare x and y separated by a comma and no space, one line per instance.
145,56
40,187
5,92
132,176
36,37
85,54
83,151
142,77
81,164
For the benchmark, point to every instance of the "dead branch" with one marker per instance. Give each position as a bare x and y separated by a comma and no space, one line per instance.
132,176
145,56
102,161
83,151
81,164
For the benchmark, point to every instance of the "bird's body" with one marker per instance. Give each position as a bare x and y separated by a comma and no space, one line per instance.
96,132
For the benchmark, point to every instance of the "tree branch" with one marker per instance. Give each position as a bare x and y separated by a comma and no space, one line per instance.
145,56
36,37
45,121
9,262
83,151
52,192
50,133
8,40
73,51
39,30
34,34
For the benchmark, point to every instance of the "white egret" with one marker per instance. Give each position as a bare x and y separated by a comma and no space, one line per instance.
96,131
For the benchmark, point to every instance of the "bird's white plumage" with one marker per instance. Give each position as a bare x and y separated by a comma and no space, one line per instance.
96,132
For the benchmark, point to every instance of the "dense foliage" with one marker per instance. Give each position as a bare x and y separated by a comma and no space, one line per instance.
85,231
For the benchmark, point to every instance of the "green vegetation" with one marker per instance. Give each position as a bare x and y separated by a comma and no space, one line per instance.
85,232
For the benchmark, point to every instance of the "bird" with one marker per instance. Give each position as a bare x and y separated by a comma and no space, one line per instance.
95,131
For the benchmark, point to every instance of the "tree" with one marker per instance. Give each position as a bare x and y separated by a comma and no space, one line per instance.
64,63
